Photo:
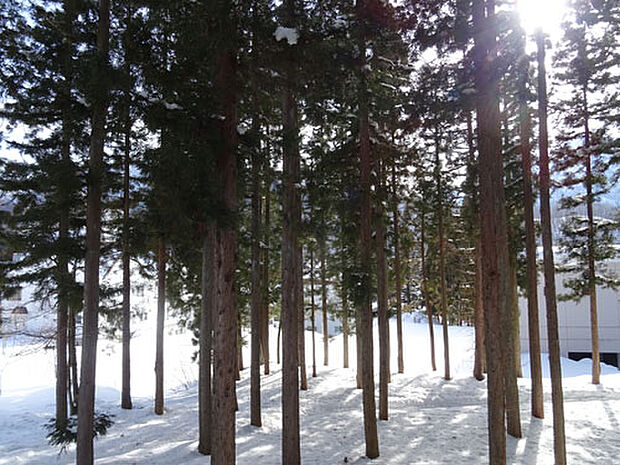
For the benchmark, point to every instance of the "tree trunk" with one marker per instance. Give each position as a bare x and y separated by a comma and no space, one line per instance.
493,221
73,371
530,245
397,274
510,324
479,358
238,347
596,356
255,402
62,373
291,453
278,341
207,294
442,264
345,327
384,362
557,395
62,313
358,350
126,305
265,280
312,311
324,306
225,309
64,206
86,402
365,309
259,319
479,355
427,304
161,316
225,331
303,383
389,374
515,316
510,319
126,362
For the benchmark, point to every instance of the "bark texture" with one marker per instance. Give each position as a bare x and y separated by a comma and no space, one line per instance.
207,292
479,357
62,372
493,222
291,453
225,338
512,359
161,316
224,399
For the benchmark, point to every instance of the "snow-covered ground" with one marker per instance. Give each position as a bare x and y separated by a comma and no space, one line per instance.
432,421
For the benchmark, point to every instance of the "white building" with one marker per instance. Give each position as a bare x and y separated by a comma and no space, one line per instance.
26,317
22,314
574,321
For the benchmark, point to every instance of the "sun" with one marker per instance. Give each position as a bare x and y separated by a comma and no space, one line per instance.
546,14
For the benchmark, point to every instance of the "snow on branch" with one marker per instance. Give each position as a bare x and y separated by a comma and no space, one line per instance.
291,34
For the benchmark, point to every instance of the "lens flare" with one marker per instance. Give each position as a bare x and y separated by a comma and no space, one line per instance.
545,14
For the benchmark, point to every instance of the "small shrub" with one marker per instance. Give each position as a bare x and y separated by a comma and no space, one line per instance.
63,437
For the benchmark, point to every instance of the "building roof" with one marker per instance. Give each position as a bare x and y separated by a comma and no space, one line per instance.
20,311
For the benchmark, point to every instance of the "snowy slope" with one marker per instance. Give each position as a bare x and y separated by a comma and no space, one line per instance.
432,421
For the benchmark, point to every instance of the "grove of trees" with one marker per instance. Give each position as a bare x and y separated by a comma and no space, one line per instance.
285,160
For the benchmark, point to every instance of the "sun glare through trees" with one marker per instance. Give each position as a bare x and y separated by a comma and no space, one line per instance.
309,231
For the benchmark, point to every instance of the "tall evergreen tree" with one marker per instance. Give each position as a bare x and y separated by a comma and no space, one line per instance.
291,453
46,191
224,324
583,64
99,105
553,340
530,235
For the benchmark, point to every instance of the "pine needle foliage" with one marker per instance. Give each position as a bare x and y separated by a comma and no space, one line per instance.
64,437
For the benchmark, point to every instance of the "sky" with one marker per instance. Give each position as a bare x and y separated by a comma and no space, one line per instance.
547,14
